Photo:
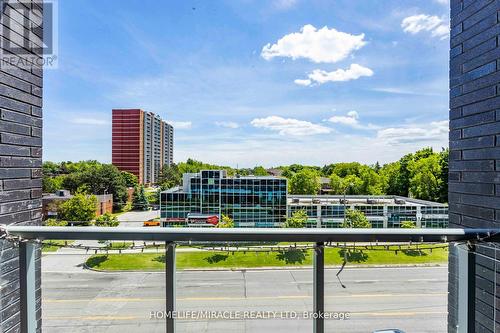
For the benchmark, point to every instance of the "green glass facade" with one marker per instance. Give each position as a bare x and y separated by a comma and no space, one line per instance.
249,201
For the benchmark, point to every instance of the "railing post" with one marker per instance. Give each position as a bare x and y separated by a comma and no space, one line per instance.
27,278
170,285
319,288
466,288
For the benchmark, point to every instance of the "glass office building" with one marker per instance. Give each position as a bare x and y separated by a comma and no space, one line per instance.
263,202
382,211
249,201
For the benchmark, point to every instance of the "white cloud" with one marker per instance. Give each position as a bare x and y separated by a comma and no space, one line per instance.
301,82
319,76
394,90
180,124
89,121
433,24
317,45
284,4
227,124
424,91
435,131
290,126
443,2
351,119
274,150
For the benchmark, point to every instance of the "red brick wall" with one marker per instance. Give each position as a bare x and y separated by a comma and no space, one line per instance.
104,205
127,136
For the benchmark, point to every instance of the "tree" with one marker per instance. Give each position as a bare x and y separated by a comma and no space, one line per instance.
106,220
259,171
345,169
80,207
327,170
106,178
130,179
99,179
306,181
404,173
192,166
403,176
139,199
337,184
355,178
287,173
426,182
356,219
170,176
443,162
297,220
391,182
371,181
52,184
153,197
225,222
55,223
354,185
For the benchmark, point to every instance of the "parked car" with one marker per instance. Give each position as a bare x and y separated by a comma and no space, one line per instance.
151,223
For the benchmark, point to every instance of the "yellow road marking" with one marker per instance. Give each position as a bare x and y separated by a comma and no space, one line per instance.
114,300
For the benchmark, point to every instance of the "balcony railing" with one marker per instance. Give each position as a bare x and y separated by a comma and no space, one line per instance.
28,236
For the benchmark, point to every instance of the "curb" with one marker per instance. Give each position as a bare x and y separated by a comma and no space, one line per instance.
270,268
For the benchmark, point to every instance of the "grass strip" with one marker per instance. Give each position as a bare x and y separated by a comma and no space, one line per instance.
289,258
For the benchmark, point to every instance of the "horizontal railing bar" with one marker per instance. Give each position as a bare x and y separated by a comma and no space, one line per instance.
251,234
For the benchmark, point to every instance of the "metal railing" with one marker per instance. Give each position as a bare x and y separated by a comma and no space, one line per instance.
28,236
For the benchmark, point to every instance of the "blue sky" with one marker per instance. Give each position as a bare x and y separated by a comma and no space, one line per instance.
253,82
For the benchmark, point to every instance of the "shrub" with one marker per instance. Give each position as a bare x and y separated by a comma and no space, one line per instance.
106,220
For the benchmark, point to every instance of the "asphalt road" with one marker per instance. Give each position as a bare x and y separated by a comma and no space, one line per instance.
412,299
136,218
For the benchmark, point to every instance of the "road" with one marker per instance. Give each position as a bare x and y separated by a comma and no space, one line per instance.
137,218
413,299
72,259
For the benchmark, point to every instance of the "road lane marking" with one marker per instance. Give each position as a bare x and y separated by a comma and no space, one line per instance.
140,299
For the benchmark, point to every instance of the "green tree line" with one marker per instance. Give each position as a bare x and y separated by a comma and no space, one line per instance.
90,177
422,175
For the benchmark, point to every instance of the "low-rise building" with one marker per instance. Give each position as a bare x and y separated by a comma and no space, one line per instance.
328,211
51,202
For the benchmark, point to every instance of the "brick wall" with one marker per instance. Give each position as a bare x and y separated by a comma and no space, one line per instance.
20,151
474,183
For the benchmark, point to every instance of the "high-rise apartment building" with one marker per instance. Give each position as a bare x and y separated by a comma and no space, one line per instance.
142,143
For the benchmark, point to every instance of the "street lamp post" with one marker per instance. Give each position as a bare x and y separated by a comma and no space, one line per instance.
345,202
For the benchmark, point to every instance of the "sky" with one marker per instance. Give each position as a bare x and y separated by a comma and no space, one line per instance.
248,82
